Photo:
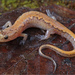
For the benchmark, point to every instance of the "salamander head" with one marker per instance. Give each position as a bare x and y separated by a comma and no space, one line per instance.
3,38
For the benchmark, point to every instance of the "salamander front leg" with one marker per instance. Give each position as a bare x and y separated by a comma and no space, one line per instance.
48,33
7,24
24,38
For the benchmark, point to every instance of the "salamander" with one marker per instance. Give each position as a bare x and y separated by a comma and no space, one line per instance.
42,21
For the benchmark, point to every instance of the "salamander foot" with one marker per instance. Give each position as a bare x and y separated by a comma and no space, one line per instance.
22,42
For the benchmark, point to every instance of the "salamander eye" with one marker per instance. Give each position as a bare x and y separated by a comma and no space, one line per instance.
6,37
7,26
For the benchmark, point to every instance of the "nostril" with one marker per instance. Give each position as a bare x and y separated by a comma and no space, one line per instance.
6,37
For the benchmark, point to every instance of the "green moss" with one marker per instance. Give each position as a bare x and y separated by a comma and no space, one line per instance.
8,5
15,5
12,4
60,3
30,4
42,0
3,3
65,3
10,1
0,13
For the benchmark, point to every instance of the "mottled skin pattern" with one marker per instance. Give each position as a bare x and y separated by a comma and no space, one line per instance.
42,21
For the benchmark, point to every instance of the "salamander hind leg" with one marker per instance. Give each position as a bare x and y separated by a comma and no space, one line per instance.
7,24
48,33
24,38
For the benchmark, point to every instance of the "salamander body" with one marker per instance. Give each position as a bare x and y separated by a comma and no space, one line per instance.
42,21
